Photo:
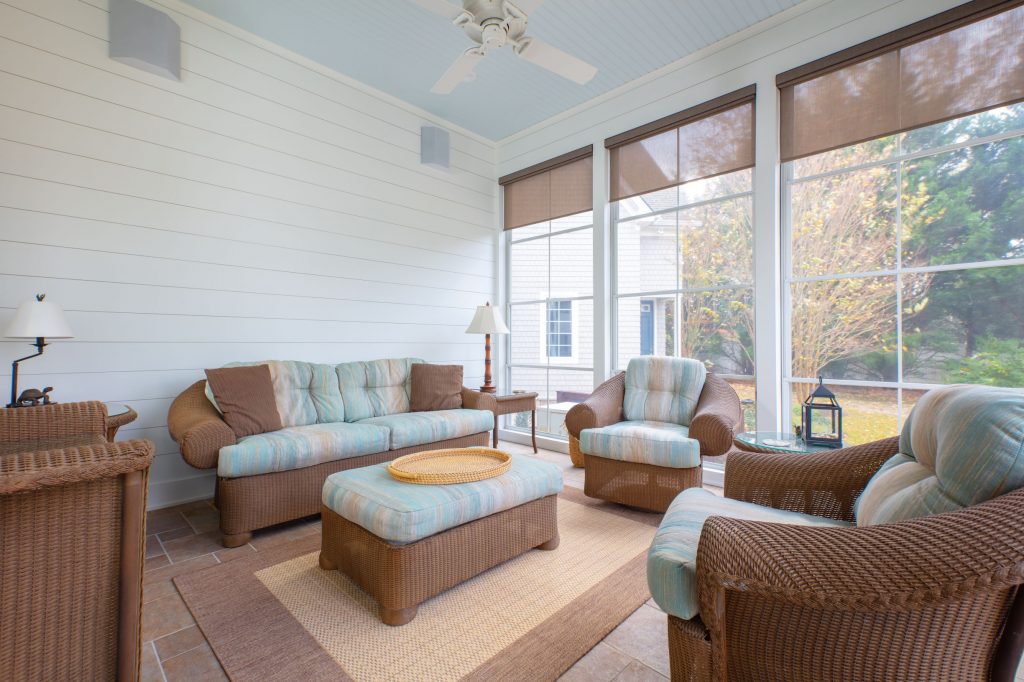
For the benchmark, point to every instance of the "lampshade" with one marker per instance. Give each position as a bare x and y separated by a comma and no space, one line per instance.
487,320
38,318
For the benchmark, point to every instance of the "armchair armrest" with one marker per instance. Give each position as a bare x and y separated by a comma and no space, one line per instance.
478,400
603,407
951,576
823,484
35,470
61,420
198,428
717,418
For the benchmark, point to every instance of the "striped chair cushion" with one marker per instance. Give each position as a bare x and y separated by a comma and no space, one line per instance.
672,559
961,445
663,389
300,446
402,512
417,428
644,442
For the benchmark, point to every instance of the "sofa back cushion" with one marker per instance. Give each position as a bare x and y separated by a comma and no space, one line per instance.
375,388
305,392
663,389
961,445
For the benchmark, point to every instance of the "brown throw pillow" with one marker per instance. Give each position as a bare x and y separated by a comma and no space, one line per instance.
245,396
435,387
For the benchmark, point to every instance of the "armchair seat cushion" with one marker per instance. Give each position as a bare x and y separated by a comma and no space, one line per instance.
416,428
297,447
672,559
643,442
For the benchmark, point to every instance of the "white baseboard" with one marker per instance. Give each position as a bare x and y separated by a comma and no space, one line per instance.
170,493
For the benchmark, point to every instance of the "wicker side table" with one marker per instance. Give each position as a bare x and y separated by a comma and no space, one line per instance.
118,415
513,404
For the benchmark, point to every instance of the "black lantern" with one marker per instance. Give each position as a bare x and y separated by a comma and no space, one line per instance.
822,418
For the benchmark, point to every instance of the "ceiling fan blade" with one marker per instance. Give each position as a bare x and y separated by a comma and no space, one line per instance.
555,60
460,69
442,7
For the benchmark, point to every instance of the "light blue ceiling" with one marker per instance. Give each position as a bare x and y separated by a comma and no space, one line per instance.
400,48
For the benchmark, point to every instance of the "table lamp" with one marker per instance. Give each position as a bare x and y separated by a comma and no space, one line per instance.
487,321
39,320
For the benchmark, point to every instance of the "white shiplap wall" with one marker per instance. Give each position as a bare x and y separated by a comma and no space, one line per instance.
263,207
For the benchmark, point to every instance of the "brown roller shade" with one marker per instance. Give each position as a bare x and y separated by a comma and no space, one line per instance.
709,139
553,189
953,64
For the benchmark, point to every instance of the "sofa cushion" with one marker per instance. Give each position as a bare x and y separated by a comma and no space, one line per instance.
672,558
300,446
305,392
961,445
643,442
435,387
416,428
403,512
663,389
375,388
245,396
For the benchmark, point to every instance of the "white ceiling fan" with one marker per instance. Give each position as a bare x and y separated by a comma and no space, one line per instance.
492,24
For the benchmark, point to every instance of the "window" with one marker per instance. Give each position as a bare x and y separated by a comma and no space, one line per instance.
559,337
551,293
684,253
904,230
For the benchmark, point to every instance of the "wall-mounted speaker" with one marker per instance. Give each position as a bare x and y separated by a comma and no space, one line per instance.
145,38
434,145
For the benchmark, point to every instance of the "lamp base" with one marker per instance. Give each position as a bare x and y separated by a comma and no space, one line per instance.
488,389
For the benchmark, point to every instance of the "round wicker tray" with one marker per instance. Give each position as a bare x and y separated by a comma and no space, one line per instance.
454,465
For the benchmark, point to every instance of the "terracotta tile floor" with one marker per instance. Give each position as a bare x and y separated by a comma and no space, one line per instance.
185,538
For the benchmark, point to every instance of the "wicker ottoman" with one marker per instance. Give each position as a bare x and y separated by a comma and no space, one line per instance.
405,543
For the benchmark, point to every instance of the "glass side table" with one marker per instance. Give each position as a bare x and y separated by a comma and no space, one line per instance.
773,441
118,414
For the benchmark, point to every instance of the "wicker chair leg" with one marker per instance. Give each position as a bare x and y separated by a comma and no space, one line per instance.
689,650
235,540
550,544
397,617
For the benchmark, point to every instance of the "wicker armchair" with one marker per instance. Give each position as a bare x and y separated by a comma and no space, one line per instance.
72,544
715,421
933,598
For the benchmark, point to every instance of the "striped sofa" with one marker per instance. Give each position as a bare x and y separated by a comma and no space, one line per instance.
641,434
901,559
335,417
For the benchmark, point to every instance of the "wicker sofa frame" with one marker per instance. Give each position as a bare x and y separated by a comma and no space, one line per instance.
936,598
646,486
72,545
249,503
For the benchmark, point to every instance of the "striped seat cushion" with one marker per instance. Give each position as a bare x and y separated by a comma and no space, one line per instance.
417,428
961,445
672,559
403,512
663,389
297,447
643,442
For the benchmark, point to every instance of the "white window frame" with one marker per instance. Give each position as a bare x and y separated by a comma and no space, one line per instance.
897,273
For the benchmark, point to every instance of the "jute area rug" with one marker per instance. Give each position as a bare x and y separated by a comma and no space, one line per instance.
278,616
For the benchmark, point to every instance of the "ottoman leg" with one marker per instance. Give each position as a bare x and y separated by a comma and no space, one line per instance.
397,616
326,563
550,544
